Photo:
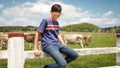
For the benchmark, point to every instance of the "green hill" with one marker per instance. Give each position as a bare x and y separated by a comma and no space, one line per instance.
17,28
82,27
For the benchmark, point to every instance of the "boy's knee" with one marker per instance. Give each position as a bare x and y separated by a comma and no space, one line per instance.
75,55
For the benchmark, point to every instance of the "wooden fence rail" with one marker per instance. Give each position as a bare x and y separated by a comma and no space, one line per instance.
81,52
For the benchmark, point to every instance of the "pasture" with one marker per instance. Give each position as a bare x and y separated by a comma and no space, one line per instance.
91,61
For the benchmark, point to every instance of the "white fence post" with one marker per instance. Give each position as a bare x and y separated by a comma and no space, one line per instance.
16,56
118,45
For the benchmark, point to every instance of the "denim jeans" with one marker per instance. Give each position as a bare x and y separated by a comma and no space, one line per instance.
55,52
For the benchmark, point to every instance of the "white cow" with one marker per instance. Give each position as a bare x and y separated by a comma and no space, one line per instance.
73,38
76,38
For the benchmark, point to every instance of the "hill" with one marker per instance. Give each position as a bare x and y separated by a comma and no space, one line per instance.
82,27
17,28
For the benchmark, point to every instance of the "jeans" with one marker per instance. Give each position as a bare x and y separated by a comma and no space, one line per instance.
55,52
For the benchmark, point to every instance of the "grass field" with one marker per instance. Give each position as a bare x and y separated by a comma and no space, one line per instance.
91,61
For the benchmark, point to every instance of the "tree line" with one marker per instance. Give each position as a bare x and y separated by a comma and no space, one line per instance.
17,28
81,27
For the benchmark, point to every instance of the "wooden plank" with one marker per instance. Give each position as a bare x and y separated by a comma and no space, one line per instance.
81,52
105,50
3,54
16,54
118,45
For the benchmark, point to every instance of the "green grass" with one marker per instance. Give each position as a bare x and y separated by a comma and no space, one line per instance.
90,61
99,40
103,40
3,63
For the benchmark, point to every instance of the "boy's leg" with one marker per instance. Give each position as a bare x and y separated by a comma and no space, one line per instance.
70,53
57,56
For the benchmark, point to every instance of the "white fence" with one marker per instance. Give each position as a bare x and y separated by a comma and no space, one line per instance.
16,40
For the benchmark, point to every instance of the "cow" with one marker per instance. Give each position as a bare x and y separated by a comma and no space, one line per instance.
87,39
30,38
73,38
3,39
76,38
1,44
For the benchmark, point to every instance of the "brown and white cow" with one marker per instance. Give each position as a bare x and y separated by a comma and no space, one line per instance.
87,39
3,39
30,38
76,38
67,38
73,38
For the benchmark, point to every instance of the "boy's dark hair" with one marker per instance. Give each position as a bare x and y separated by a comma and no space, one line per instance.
56,8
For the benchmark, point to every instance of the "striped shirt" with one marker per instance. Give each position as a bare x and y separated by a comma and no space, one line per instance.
49,32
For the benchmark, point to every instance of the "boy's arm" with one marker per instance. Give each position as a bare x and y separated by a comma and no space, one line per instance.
36,50
61,39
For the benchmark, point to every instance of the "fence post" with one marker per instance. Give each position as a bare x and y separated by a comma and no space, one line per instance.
16,56
118,45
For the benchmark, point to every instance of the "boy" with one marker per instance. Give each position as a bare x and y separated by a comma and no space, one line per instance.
49,32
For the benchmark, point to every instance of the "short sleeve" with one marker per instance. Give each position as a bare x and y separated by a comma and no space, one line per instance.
42,26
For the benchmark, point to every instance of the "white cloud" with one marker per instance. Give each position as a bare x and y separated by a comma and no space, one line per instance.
1,6
72,12
109,13
30,13
3,22
27,10
109,20
102,22
118,15
43,1
40,8
87,19
23,22
105,20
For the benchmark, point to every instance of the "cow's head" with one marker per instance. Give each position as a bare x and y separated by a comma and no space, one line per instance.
87,39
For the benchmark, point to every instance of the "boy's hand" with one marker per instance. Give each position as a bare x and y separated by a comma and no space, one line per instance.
37,52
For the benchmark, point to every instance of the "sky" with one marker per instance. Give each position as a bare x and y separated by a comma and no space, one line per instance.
103,13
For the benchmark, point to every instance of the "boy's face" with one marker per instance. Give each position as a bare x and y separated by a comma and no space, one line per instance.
55,15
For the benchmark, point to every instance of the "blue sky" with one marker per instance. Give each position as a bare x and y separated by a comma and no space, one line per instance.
103,13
